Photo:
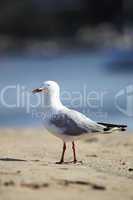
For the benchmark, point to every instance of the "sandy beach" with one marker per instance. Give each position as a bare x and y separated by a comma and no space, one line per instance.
28,169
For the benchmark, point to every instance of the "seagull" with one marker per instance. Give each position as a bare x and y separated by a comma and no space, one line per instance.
67,124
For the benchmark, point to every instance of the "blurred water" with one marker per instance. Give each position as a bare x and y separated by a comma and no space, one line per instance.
96,72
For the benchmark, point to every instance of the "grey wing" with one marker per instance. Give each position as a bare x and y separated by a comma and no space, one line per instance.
74,123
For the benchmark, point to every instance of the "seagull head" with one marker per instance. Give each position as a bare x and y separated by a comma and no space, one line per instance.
48,87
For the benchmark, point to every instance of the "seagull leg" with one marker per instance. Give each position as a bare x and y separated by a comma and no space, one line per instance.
74,152
63,153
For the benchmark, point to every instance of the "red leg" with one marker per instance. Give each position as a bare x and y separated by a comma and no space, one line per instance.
74,152
63,153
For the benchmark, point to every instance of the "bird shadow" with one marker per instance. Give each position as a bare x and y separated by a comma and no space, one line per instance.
69,162
7,159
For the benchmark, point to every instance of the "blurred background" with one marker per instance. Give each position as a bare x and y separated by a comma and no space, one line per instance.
78,43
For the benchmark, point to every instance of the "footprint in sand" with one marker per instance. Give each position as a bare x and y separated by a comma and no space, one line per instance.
34,185
84,183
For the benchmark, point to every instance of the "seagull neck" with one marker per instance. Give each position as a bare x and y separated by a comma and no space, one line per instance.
53,101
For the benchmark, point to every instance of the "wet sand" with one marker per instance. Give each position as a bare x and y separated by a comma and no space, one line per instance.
28,169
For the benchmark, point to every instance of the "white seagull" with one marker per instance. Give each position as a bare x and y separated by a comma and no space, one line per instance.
67,124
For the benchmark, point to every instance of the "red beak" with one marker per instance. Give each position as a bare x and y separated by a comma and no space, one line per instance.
37,90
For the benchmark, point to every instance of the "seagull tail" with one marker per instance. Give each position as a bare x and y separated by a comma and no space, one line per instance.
109,128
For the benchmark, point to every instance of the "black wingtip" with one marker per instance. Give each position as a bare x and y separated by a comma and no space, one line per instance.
108,125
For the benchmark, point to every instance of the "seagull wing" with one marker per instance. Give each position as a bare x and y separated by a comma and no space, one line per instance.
74,123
